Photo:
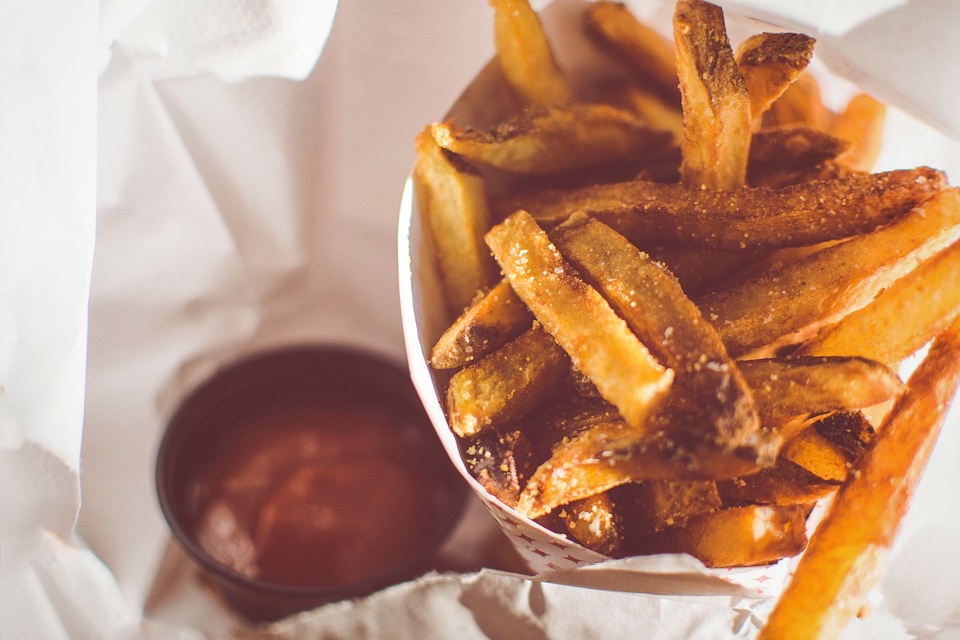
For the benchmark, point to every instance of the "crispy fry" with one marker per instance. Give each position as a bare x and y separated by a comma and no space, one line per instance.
657,310
770,62
547,140
657,504
491,321
505,384
610,453
595,523
848,550
785,483
861,124
902,318
599,343
453,200
716,106
779,154
501,462
645,51
788,304
650,214
829,447
733,537
525,54
787,387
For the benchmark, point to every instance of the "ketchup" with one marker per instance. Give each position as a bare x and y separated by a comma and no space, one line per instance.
314,495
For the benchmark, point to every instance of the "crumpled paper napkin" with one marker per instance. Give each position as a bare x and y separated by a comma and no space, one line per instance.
130,125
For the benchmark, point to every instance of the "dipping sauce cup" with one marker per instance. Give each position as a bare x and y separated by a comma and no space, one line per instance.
306,475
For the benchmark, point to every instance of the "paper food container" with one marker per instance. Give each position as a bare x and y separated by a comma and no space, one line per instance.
423,310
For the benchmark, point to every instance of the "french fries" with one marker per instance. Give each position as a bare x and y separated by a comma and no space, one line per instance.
848,549
655,308
695,335
616,361
553,139
490,392
769,63
454,203
920,305
492,320
716,105
789,303
525,55
650,213
717,538
648,54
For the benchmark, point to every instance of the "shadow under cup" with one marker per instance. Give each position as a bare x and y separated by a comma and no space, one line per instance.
304,476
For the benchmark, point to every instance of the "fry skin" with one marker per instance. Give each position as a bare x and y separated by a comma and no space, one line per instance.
848,550
525,55
769,63
506,384
657,310
714,98
491,321
599,343
651,214
611,453
902,318
733,537
453,199
552,139
788,304
796,386
647,53
830,446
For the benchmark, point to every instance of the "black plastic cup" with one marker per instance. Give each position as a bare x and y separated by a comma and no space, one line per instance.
206,422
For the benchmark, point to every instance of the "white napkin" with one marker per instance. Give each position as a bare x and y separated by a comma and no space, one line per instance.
905,53
241,195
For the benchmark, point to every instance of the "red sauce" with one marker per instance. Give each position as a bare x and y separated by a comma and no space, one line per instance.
313,496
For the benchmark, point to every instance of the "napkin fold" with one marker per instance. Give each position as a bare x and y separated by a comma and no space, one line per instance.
903,52
153,59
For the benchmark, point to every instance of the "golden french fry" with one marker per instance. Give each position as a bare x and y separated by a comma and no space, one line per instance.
501,462
861,124
733,537
785,483
453,201
594,522
651,214
716,106
525,54
902,318
491,321
610,453
795,386
830,446
505,384
769,63
547,140
661,315
793,153
800,102
642,49
788,304
599,343
848,550
657,504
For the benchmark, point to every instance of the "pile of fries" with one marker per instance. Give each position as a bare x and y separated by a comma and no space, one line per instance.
681,300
